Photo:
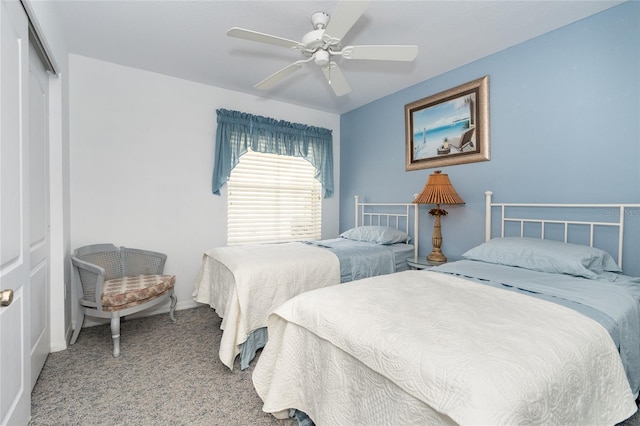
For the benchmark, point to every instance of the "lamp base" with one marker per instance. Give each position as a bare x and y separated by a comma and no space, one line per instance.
436,256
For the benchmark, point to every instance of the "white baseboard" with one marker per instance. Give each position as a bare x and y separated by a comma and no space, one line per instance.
67,338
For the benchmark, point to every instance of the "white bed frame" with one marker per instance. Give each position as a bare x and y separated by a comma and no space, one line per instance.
399,216
616,212
394,215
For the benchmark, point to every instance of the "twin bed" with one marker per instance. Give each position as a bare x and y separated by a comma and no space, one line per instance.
244,284
536,325
529,328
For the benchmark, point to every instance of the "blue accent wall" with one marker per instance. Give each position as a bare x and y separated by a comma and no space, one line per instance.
564,127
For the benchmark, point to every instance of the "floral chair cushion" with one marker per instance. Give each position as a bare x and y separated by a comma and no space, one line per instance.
124,292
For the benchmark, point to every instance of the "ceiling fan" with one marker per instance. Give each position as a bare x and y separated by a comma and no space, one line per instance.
324,42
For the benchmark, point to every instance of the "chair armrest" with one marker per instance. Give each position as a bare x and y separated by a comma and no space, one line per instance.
142,262
90,280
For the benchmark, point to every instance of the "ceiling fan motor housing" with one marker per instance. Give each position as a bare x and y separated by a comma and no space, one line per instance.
313,39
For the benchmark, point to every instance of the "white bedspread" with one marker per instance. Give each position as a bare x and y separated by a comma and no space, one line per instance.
245,283
421,346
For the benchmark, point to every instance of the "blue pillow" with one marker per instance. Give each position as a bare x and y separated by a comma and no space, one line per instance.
555,257
376,234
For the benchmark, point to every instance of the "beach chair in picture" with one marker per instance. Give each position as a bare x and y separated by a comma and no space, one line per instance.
459,144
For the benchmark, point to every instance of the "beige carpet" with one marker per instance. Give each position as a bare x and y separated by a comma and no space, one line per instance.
167,374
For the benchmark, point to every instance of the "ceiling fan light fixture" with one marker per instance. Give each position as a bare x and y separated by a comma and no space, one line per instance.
322,57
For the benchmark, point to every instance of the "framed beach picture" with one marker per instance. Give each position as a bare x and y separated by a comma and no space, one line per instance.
451,127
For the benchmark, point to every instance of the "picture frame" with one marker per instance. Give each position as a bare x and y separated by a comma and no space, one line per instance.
448,128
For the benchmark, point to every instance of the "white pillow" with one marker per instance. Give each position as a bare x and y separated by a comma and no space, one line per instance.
545,255
376,234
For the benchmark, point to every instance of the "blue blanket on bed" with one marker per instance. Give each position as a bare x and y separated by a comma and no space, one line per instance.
615,305
359,260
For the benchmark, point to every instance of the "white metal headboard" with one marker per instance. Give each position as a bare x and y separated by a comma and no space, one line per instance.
395,215
615,211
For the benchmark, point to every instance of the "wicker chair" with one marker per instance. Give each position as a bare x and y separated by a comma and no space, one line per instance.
113,282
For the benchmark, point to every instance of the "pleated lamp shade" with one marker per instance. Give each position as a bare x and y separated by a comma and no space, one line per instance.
438,190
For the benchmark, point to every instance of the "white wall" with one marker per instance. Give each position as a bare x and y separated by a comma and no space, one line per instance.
142,147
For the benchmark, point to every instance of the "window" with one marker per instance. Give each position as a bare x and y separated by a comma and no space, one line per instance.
273,198
238,132
277,173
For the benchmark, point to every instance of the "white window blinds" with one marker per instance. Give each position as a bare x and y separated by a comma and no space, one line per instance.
273,198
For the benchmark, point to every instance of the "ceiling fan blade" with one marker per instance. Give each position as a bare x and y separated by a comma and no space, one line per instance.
262,38
347,13
336,79
381,52
270,81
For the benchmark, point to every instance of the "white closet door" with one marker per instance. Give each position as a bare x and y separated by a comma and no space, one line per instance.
15,391
39,244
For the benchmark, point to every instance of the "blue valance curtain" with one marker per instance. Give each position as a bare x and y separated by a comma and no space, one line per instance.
239,131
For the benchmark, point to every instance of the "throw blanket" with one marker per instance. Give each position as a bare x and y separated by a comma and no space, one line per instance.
477,354
245,283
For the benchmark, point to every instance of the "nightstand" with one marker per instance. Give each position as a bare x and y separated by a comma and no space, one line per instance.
423,263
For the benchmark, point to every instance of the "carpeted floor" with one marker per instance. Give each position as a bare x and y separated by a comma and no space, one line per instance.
167,374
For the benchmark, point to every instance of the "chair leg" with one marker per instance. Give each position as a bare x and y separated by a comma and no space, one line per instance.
174,302
115,335
78,326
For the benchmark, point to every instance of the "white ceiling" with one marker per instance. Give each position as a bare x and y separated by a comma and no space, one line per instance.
187,39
